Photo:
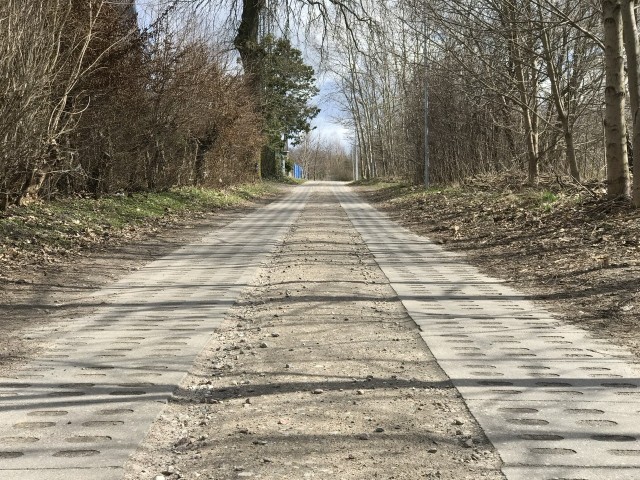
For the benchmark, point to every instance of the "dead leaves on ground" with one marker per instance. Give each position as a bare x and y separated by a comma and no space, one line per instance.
579,253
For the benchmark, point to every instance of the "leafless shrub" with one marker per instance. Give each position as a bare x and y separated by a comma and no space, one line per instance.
92,104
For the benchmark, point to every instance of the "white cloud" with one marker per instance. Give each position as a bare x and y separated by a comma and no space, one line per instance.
333,131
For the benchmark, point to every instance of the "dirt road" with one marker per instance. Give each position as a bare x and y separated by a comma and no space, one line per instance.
317,373
276,348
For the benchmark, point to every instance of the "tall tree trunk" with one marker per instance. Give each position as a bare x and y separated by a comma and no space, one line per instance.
563,113
530,133
246,40
614,122
571,148
527,99
632,48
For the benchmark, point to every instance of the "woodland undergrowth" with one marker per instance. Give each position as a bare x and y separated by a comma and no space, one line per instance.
50,231
563,243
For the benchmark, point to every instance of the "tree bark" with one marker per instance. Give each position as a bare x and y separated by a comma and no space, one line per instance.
246,40
614,92
632,48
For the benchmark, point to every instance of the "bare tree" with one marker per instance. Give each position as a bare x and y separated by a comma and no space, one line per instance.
323,159
614,120
632,48
512,85
93,104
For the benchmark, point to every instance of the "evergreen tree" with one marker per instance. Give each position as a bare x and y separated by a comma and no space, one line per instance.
287,86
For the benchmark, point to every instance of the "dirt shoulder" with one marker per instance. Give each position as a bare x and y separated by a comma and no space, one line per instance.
571,249
44,290
318,372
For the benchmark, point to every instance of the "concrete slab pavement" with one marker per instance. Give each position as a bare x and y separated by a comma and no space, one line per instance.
555,401
81,409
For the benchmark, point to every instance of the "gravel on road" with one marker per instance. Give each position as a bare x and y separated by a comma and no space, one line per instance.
318,372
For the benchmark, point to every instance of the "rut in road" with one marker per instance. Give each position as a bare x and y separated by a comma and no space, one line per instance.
317,373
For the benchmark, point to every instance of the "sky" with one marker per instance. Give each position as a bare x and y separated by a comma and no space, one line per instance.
327,124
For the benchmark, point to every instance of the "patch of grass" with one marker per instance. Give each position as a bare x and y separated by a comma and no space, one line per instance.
401,193
548,197
55,226
546,200
378,183
388,190
291,180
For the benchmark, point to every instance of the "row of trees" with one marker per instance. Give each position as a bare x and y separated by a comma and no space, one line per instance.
92,102
323,159
526,84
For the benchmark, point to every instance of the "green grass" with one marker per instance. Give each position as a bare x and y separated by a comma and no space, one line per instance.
548,197
546,200
406,192
534,199
68,222
291,181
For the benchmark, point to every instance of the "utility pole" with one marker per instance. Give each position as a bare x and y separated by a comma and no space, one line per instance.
356,169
